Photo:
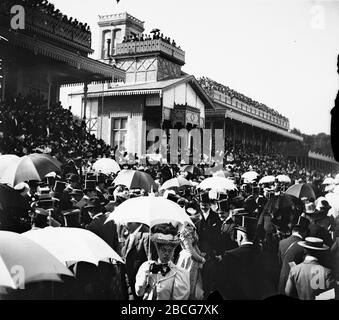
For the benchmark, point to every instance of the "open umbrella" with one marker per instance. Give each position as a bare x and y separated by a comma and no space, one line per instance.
267,179
250,175
283,178
191,169
284,209
133,179
223,174
73,244
10,198
176,183
302,190
329,181
150,211
32,167
106,166
21,255
218,184
6,160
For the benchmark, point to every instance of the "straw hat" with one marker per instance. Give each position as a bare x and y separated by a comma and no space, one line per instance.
313,244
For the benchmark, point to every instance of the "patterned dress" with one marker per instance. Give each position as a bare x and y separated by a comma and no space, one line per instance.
191,259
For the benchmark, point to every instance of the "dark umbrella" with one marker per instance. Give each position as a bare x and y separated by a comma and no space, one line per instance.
302,190
191,169
10,198
155,30
283,210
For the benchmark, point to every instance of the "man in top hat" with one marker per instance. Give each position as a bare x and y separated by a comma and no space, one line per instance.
290,252
100,189
88,193
209,232
242,276
228,234
162,279
39,219
71,217
310,278
135,252
92,210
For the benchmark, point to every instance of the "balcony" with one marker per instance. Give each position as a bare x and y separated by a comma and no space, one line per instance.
150,46
249,110
54,29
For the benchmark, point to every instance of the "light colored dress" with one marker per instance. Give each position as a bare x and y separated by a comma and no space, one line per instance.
191,259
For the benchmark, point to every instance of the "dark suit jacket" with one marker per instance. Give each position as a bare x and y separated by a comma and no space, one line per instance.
106,231
209,232
228,235
101,197
242,275
136,254
319,232
289,251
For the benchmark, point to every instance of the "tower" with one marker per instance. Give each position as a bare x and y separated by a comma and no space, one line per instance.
113,28
145,59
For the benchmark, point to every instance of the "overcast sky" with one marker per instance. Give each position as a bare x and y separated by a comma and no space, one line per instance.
282,53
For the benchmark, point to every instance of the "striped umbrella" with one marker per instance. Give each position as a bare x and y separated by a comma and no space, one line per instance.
176,183
32,167
302,190
7,160
133,179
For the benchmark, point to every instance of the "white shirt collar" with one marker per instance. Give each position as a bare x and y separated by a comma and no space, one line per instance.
296,234
247,242
136,230
206,214
310,258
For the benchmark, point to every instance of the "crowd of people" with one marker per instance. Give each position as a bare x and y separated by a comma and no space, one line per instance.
209,84
49,9
250,242
156,35
27,125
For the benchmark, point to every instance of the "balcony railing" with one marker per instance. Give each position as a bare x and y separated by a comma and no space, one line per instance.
250,110
147,46
42,24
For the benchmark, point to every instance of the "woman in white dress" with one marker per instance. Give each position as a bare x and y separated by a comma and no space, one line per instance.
192,260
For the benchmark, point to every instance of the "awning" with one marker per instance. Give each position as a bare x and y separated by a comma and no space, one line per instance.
321,157
37,46
122,93
261,125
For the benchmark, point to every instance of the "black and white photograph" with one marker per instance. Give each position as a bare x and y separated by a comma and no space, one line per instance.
169,150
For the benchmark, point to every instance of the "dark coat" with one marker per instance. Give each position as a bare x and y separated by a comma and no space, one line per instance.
289,251
106,231
135,255
210,242
228,235
320,232
209,232
242,276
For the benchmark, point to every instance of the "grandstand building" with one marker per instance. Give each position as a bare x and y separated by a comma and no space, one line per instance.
156,93
51,50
